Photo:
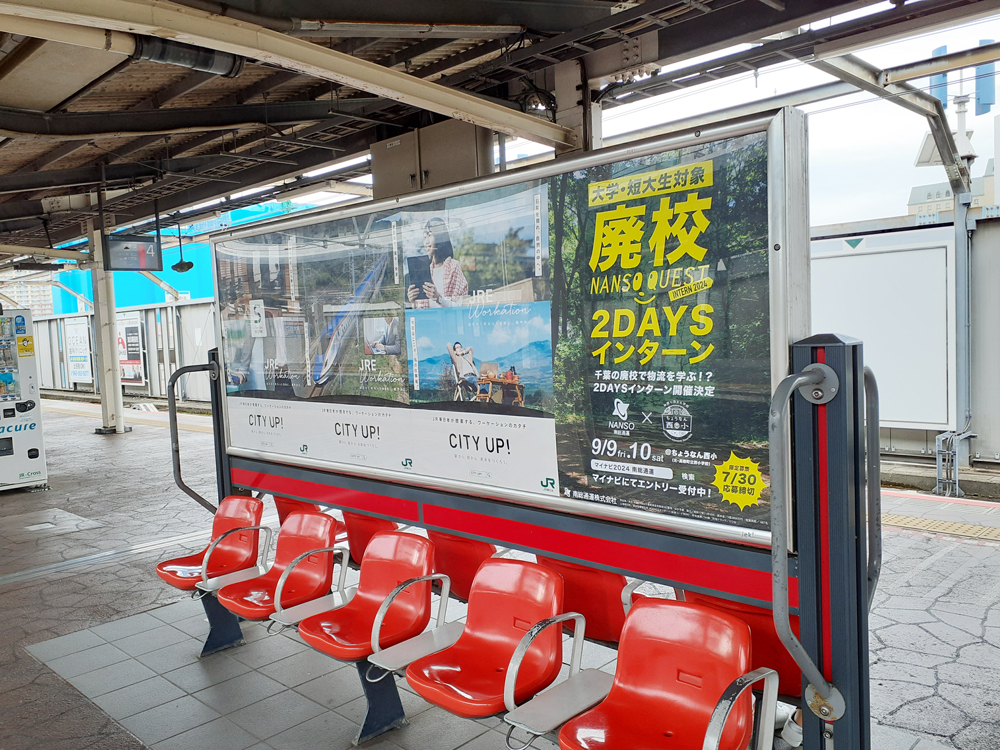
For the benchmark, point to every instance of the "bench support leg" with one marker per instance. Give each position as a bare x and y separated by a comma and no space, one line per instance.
385,711
224,627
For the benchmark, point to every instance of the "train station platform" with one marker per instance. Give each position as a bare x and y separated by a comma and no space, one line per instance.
97,652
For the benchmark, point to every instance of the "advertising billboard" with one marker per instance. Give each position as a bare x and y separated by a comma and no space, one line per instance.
599,335
130,351
78,365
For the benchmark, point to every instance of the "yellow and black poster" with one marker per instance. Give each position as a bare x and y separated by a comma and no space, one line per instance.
661,332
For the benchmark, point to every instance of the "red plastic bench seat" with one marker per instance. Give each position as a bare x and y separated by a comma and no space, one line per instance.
391,557
507,598
674,663
301,532
360,530
234,553
594,593
286,505
459,558
767,650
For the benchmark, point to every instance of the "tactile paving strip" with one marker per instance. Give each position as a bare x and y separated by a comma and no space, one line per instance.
969,530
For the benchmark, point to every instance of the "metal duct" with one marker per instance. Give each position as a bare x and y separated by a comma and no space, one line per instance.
134,46
170,52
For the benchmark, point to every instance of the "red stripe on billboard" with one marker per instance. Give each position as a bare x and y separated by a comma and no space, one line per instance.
715,576
407,510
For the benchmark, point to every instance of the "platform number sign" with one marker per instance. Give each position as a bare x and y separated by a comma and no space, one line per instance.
132,253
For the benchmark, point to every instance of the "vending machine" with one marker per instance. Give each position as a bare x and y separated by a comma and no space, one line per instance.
22,452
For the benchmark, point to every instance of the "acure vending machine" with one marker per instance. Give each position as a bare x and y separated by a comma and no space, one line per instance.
22,453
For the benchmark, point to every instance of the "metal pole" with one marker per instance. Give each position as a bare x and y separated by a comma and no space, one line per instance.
106,335
874,484
963,341
175,444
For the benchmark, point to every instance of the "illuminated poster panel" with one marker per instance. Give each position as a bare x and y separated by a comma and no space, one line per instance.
599,335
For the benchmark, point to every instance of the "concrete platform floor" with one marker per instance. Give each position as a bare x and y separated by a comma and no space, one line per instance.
97,653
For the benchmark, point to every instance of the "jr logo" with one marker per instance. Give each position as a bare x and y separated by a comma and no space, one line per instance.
407,463
548,484
304,449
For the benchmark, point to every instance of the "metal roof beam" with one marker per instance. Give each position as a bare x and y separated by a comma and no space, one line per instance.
889,23
46,252
414,50
24,123
185,85
858,73
243,95
550,16
943,64
443,31
731,23
168,20
262,174
443,66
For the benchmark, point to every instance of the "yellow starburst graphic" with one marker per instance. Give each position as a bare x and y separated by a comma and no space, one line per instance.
739,480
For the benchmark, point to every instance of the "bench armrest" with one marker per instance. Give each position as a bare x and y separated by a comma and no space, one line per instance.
627,594
510,682
215,543
384,609
341,549
765,734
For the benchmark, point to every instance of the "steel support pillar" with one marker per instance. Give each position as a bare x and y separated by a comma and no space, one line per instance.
106,341
963,341
833,557
574,108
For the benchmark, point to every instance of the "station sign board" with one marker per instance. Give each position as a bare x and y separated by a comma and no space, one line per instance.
596,338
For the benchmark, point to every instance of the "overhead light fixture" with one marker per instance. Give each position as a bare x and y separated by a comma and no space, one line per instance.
181,266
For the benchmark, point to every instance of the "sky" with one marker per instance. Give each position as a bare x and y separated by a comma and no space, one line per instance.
861,150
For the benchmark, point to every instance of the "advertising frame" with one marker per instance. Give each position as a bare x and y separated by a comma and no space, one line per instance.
789,310
73,375
133,370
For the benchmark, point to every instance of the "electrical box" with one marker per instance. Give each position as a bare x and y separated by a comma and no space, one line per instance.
396,165
442,154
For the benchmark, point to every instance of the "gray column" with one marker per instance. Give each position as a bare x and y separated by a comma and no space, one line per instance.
106,339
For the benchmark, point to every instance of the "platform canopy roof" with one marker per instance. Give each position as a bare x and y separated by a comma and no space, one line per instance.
106,92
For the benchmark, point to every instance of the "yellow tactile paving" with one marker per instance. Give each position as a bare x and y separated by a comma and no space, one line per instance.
969,530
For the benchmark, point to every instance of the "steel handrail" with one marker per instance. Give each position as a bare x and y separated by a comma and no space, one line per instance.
383,609
778,449
340,550
260,562
175,446
579,628
873,458
765,730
